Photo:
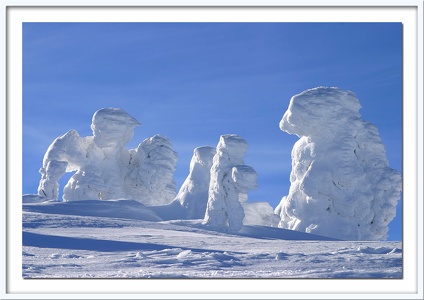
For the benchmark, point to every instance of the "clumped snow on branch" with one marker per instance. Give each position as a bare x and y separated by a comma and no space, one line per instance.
230,181
104,168
341,183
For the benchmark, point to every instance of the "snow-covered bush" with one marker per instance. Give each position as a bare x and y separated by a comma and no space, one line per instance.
230,181
341,183
104,168
193,194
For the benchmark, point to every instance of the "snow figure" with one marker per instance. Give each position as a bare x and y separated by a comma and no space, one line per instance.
96,159
193,194
103,166
151,179
341,184
230,181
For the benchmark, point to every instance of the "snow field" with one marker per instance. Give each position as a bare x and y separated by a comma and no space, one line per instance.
76,246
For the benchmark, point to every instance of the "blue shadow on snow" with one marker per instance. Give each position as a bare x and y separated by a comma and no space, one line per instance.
61,242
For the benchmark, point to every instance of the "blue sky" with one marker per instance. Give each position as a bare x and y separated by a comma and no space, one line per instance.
193,82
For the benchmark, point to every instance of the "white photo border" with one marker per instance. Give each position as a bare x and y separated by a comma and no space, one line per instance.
12,285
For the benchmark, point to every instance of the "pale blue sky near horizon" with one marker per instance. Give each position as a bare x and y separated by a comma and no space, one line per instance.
193,82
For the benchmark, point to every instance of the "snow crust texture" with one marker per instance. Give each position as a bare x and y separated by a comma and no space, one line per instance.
117,239
341,182
104,169
230,181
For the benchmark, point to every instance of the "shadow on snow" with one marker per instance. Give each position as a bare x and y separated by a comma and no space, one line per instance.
61,242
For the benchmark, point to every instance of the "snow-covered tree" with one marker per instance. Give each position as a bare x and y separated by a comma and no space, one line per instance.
103,166
230,181
96,159
152,167
193,194
341,183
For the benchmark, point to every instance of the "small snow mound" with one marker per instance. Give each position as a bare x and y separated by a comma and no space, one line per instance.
378,250
184,254
71,255
259,213
123,209
282,256
55,256
33,198
140,255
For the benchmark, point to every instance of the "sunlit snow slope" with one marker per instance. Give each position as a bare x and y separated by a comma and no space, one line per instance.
125,239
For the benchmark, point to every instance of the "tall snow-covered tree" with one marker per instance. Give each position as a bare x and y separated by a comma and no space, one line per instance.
341,182
152,165
230,180
193,194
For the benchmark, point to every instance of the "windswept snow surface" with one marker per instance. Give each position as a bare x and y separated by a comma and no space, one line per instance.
124,239
341,182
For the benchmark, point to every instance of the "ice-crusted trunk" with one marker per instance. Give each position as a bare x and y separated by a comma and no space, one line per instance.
229,179
104,169
193,194
341,183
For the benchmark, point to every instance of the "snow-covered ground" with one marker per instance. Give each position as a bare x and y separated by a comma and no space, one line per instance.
125,239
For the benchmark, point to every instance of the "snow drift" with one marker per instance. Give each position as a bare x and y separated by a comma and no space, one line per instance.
114,209
341,183
259,213
104,168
